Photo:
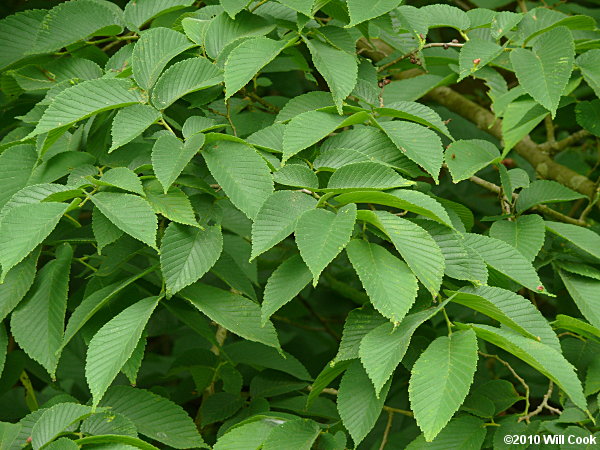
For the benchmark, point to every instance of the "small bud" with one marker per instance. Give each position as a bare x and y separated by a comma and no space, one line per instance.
421,35
28,440
453,156
413,60
539,288
446,46
387,81
455,41
476,61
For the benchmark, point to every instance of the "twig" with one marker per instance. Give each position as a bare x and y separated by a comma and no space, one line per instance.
164,123
258,5
445,45
386,432
550,138
542,405
515,374
541,208
316,315
228,116
552,147
522,5
398,411
258,99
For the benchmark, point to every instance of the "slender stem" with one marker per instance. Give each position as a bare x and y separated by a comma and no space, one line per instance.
448,323
323,322
522,5
256,98
258,5
398,411
550,137
515,374
553,147
542,405
412,53
386,432
164,123
228,116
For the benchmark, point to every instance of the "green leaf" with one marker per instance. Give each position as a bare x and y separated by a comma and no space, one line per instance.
418,143
310,127
296,175
390,284
339,69
520,117
465,158
104,231
464,432
138,12
16,165
130,122
108,423
15,35
170,156
114,343
579,269
247,59
95,301
581,237
242,173
589,64
234,312
53,421
133,364
440,380
506,259
130,213
585,113
153,51
248,435
3,352
302,6
357,403
360,11
73,21
16,284
222,31
403,199
122,178
416,112
526,234
19,235
365,176
358,323
183,78
154,416
382,348
480,50
545,191
503,22
446,16
174,205
38,322
297,434
545,70
541,357
414,244
509,309
86,99
125,441
277,218
283,285
309,101
584,292
577,326
321,235
187,253
232,7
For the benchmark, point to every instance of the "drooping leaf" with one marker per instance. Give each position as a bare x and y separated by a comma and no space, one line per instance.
16,284
526,234
105,231
589,63
138,12
114,343
339,69
545,191
390,284
584,293
86,99
283,285
475,54
16,165
170,156
414,244
234,312
248,435
38,322
187,253
541,357
382,348
183,78
130,213
122,178
545,69
446,16
130,122
297,434
154,416
581,237
505,259
585,112
321,235
19,235
73,21
309,101
174,205
416,112
440,380
242,173
153,51
465,158
247,59
357,325
416,142
15,35
509,309
357,403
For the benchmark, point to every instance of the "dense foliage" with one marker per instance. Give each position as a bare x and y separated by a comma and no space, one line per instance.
299,224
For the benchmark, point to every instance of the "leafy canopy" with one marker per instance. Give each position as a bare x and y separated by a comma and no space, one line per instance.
296,224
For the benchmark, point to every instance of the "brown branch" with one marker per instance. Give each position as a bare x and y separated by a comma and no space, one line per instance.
386,432
541,208
554,147
445,45
254,97
542,405
333,391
